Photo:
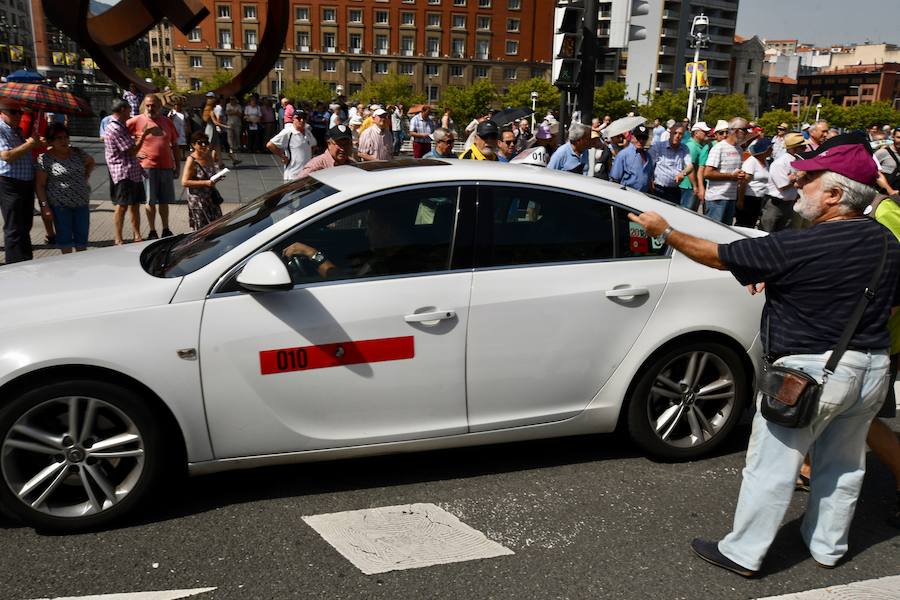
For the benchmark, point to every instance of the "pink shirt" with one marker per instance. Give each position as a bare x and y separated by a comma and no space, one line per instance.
322,161
376,142
157,149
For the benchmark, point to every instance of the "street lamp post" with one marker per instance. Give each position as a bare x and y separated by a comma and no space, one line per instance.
534,97
699,39
818,110
279,69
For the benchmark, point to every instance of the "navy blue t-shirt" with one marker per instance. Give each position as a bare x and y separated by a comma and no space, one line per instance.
814,278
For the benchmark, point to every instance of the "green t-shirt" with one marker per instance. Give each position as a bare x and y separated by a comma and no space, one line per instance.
699,153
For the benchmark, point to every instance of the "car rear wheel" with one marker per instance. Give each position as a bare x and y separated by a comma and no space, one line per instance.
688,400
77,455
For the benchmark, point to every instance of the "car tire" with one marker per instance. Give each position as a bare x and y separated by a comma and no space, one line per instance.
688,400
78,455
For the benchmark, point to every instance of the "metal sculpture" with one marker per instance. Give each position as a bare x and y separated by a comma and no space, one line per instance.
103,35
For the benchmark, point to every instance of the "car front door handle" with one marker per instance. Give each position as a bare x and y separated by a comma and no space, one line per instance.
425,317
627,292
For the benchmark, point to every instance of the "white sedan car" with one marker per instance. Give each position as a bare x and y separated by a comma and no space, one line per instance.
374,308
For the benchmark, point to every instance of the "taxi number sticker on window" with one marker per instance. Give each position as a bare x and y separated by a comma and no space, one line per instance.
637,239
305,358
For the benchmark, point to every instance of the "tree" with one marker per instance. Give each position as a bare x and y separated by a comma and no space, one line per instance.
772,119
666,105
468,102
519,94
391,89
215,81
862,116
160,81
835,115
609,99
310,90
725,107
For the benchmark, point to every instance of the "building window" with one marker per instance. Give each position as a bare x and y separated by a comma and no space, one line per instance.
355,16
223,11
456,71
433,92
194,35
512,47
381,17
381,68
250,39
355,88
407,69
225,39
329,66
328,41
249,11
195,83
356,66
514,4
407,18
226,62
459,21
481,71
434,19
431,70
459,48
509,73
302,64
483,50
512,25
329,15
155,57
434,46
302,13
381,44
484,23
407,45
537,72
434,1
196,62
303,41
459,2
484,3
355,43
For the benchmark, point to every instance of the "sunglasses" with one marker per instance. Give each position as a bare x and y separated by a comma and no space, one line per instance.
203,144
507,142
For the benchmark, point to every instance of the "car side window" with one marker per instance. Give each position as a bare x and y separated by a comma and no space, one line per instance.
632,240
520,226
396,233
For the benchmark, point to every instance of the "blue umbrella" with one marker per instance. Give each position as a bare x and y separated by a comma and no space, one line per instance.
25,76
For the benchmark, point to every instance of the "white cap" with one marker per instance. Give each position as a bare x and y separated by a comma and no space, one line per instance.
374,107
721,125
804,127
670,123
61,85
210,94
700,126
380,112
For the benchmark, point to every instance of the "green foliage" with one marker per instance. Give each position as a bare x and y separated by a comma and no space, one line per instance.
609,99
862,116
725,107
519,94
216,80
311,90
772,119
666,105
391,89
468,102
835,115
160,81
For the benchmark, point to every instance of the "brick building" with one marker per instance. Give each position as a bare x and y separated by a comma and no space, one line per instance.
862,84
347,43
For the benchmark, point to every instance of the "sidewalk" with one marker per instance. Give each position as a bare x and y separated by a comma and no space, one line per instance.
256,174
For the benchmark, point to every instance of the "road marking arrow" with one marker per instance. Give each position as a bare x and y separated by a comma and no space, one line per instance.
161,595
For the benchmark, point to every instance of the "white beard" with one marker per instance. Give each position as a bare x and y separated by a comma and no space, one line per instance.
807,209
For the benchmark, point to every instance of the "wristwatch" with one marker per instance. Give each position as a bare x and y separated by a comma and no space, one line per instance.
665,234
318,258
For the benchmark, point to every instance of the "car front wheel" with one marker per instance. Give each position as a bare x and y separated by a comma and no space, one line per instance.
77,455
688,400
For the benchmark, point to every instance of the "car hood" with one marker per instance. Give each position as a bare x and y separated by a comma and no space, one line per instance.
80,284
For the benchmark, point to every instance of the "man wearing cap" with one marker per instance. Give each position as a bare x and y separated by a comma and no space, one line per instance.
888,159
376,142
634,165
723,172
813,279
420,129
16,183
692,186
672,163
338,151
780,191
572,156
778,141
443,144
484,146
293,145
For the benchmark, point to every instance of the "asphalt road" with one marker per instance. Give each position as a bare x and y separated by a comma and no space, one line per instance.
586,517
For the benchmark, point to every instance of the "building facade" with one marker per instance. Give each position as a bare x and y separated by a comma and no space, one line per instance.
747,60
657,63
159,38
862,84
16,39
348,43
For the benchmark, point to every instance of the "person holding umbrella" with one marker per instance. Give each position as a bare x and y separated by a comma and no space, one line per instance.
16,183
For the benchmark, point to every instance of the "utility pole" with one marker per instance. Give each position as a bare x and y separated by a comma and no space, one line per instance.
699,39
590,50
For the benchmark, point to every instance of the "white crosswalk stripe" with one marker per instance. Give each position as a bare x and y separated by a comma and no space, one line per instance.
160,595
885,588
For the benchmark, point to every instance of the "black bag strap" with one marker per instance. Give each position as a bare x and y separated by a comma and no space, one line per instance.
858,311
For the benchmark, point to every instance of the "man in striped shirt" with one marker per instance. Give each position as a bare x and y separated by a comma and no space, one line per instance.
813,279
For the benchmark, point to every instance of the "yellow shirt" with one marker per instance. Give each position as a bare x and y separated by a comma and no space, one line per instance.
367,122
888,214
474,153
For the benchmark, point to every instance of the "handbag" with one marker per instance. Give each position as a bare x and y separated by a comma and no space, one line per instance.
789,397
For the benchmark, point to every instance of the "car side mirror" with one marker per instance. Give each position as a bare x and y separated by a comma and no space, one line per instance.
265,273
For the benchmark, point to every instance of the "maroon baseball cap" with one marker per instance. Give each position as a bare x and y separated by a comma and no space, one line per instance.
849,160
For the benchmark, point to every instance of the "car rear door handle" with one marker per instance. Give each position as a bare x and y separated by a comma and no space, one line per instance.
627,292
437,315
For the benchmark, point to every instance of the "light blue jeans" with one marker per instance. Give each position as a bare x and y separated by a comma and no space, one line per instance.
721,211
836,440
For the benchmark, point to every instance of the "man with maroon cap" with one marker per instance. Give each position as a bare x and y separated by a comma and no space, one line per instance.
813,279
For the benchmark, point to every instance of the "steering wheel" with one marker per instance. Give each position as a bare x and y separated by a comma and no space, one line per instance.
301,268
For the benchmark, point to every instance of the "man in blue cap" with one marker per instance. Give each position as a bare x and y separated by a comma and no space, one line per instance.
634,166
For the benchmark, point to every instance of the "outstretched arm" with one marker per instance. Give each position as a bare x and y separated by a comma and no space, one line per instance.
697,249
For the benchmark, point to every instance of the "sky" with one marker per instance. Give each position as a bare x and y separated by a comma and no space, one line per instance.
821,22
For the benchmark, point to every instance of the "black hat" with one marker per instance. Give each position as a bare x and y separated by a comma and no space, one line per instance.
487,129
339,132
844,139
299,114
640,131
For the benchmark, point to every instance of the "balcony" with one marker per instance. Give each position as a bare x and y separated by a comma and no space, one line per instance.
225,45
483,55
407,52
381,51
330,49
355,50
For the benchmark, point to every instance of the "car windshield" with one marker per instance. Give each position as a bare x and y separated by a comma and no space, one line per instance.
178,256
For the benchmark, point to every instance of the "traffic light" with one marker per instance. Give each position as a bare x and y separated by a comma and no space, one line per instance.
621,31
569,22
